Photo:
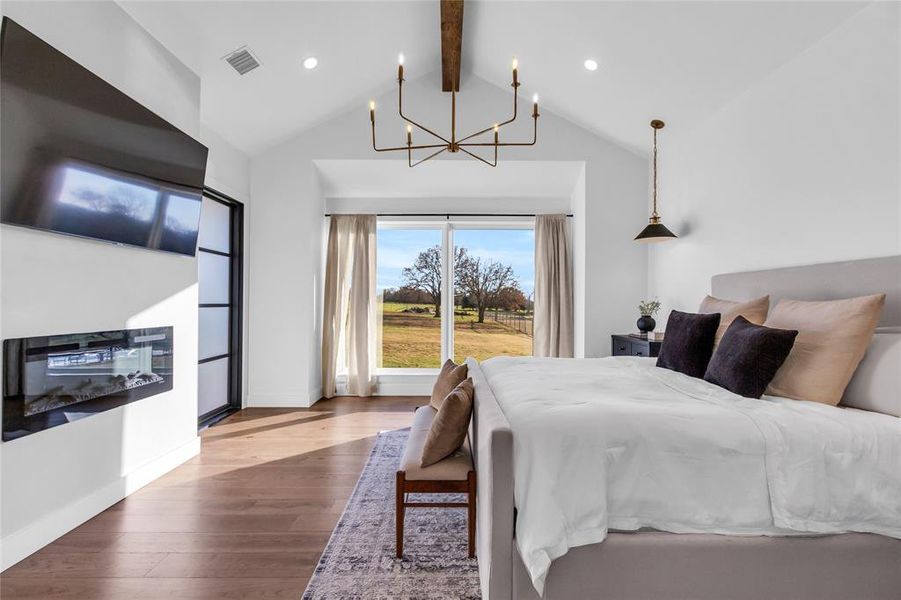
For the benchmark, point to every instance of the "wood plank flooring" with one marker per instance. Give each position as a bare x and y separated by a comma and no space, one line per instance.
247,518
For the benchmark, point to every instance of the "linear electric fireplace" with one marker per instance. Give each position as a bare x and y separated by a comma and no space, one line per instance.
52,380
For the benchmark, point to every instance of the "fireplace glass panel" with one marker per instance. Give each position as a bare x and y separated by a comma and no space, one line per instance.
52,380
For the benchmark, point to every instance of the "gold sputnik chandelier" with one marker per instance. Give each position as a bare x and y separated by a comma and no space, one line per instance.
451,42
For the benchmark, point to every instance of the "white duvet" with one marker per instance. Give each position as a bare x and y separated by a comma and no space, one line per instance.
617,443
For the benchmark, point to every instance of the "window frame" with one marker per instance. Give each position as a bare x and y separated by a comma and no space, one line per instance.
447,224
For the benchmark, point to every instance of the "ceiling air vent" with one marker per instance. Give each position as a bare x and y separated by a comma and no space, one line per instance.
242,60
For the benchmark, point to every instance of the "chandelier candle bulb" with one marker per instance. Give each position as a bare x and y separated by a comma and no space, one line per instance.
515,74
535,106
400,67
409,135
372,111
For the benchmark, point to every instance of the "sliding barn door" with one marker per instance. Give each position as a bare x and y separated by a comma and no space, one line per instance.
219,265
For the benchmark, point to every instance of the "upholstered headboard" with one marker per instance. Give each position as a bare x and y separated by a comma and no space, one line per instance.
827,281
876,385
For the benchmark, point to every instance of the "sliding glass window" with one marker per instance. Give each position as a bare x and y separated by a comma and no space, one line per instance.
494,282
409,286
435,303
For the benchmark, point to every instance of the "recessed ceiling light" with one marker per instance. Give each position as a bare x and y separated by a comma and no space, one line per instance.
591,64
310,63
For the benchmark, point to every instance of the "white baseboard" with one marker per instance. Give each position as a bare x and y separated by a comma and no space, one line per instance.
281,400
31,538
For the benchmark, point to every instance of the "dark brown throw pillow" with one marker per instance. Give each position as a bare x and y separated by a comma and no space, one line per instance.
688,342
450,377
748,357
449,427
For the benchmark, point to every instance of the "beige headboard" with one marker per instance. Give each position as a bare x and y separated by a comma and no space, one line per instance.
876,385
827,281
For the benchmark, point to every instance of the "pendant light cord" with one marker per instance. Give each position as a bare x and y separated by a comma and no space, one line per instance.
654,213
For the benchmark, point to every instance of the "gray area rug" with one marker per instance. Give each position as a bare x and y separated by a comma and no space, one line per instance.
359,564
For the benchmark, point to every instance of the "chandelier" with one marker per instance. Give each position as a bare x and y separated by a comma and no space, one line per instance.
451,38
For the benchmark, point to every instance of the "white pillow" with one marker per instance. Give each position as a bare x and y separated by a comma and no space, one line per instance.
876,385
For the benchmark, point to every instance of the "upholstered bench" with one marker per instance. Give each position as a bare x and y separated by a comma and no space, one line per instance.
453,474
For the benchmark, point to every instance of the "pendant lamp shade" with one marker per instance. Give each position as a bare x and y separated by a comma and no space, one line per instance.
655,230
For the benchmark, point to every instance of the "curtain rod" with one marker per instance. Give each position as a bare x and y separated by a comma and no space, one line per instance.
449,215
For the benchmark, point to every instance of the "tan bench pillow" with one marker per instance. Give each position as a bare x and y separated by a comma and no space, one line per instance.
753,310
833,337
450,377
448,430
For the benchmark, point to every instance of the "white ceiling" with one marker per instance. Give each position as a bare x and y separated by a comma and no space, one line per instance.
678,61
447,179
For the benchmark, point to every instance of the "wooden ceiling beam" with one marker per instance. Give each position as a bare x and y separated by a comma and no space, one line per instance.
451,43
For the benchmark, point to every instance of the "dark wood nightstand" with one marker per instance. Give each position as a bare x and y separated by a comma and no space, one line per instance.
631,344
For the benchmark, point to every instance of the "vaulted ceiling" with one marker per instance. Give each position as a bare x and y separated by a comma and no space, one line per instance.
679,61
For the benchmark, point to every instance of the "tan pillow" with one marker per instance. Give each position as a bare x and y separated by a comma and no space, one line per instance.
448,430
753,310
450,377
833,337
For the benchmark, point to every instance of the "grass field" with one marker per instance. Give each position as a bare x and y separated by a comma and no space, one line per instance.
411,340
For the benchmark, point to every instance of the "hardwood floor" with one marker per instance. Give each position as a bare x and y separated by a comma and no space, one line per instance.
247,518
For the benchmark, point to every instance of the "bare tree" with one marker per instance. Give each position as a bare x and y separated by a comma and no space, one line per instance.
482,281
425,275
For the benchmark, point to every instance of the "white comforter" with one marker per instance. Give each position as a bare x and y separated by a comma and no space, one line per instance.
617,443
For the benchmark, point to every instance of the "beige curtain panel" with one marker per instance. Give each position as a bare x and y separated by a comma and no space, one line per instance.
553,288
349,305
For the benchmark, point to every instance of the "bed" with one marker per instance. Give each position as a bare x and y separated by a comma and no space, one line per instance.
609,558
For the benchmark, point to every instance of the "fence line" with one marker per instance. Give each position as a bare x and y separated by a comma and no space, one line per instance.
523,323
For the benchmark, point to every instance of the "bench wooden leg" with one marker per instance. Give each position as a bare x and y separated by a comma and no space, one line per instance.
399,511
471,509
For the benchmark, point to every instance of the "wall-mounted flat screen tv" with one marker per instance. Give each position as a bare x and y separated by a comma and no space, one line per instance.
80,157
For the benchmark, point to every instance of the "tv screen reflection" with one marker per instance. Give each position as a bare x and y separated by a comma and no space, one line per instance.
90,201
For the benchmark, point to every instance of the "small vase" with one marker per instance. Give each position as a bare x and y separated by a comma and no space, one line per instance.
646,323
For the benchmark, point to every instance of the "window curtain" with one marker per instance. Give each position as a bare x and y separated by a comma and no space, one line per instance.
349,305
553,327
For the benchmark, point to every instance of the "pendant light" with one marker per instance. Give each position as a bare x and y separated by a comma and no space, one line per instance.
655,230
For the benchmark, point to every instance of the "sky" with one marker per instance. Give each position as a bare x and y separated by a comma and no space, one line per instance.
398,248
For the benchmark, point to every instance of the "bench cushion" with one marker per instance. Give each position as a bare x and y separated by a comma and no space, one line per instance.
455,467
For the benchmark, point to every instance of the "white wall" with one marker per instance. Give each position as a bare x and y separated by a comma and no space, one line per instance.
802,168
55,479
227,169
287,226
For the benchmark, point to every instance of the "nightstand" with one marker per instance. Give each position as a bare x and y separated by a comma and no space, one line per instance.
631,344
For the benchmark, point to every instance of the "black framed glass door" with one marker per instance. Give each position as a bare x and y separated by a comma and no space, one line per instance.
219,274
